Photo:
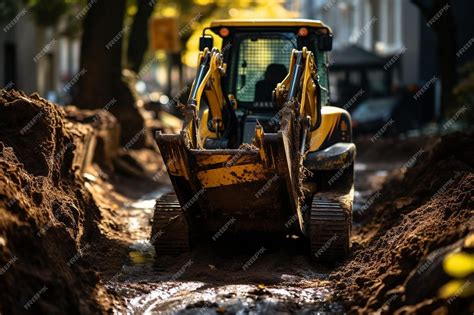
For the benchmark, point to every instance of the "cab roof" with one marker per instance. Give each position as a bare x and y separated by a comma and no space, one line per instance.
270,23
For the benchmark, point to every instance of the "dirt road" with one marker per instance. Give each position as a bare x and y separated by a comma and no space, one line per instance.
217,278
212,280
74,230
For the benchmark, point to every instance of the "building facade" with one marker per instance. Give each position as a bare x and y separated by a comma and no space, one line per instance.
384,27
37,59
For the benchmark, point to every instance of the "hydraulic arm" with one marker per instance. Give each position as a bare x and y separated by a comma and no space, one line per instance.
208,81
300,88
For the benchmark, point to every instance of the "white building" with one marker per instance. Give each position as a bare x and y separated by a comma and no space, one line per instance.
386,27
36,59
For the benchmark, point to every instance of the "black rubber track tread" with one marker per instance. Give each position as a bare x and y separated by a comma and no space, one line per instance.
169,233
330,226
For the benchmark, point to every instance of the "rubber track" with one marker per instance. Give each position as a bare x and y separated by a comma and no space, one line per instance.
330,225
170,233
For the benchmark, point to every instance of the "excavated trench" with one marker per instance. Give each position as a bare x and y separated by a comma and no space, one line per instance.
417,201
75,228
211,279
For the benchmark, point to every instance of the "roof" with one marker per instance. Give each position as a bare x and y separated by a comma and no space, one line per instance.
269,22
355,56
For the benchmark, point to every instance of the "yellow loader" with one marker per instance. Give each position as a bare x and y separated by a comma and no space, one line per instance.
260,149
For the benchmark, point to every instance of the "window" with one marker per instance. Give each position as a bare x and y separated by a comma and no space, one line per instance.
321,64
261,63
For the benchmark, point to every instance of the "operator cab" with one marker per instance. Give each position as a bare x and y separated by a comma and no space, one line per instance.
257,54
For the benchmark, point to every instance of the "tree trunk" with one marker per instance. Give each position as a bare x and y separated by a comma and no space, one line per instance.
138,42
445,30
102,83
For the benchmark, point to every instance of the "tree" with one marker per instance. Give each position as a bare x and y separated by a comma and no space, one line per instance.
101,82
104,82
445,29
138,42
48,13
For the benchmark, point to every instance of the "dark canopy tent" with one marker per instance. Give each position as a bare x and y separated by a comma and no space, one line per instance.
355,57
356,62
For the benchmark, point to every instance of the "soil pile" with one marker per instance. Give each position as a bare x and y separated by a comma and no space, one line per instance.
107,133
428,210
48,221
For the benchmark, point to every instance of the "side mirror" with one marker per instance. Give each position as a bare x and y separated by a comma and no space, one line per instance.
206,41
324,42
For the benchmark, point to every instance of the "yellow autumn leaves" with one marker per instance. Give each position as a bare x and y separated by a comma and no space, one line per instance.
460,266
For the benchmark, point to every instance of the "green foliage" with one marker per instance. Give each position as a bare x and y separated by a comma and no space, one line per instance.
47,12
8,10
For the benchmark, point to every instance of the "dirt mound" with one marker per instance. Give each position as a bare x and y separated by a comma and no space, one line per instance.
428,209
47,218
106,129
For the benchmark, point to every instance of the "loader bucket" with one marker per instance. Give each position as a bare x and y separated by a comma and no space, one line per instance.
255,186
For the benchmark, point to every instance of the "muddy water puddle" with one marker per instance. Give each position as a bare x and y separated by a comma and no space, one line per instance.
200,298
148,290
290,284
193,285
151,288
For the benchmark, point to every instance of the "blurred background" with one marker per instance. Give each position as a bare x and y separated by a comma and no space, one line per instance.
407,60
